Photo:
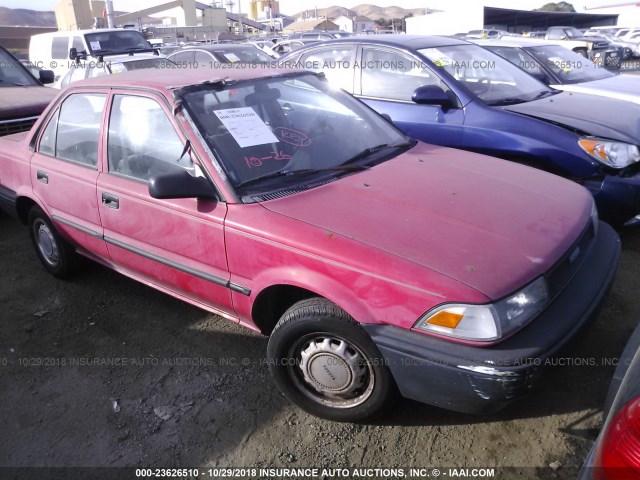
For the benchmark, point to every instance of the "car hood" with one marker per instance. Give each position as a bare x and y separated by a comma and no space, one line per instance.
620,86
16,102
488,223
594,115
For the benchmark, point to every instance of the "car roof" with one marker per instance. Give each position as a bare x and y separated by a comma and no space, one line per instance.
166,79
77,33
216,47
514,42
125,57
402,40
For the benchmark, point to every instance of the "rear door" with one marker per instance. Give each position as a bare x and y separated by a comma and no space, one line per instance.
64,169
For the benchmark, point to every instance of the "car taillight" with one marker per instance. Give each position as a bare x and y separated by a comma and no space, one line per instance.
618,455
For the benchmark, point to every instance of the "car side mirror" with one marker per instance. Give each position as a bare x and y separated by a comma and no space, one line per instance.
180,184
431,95
47,76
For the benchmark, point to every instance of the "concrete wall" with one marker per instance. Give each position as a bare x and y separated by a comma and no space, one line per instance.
629,16
447,22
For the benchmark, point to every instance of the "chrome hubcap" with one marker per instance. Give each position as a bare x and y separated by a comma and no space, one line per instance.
46,243
334,372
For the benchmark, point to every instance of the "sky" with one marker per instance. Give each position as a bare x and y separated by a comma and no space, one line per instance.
294,6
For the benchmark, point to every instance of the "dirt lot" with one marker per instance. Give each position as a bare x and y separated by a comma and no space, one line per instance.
191,389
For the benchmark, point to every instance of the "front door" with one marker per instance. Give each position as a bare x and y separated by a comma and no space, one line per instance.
177,245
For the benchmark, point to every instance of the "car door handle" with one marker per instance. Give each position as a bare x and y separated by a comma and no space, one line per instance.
110,201
42,177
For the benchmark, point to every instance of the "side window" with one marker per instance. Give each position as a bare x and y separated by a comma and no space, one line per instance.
142,141
518,58
336,62
203,58
78,44
60,48
73,132
48,139
184,58
393,75
555,34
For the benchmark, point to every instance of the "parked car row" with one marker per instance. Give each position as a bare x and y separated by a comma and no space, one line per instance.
447,92
378,264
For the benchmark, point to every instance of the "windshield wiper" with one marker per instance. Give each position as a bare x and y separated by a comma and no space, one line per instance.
14,84
293,173
544,93
371,150
349,165
506,101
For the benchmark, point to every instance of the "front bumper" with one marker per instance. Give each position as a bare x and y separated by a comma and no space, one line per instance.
483,380
617,197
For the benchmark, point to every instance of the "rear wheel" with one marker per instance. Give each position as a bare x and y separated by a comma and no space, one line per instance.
56,254
324,362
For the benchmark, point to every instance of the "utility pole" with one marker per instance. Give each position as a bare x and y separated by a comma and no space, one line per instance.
108,5
230,5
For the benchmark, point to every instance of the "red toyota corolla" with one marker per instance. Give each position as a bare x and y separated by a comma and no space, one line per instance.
377,265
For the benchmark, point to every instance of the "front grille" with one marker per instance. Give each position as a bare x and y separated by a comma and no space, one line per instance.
7,127
564,270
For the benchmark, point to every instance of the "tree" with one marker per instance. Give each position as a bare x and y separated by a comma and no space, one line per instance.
556,7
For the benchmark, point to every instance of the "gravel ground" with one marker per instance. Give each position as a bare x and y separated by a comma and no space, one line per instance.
103,371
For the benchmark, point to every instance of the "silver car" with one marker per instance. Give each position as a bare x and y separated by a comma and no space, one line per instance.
563,69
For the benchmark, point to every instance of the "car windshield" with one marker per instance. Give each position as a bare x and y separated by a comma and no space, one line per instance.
568,66
245,54
13,73
288,132
572,32
488,76
102,43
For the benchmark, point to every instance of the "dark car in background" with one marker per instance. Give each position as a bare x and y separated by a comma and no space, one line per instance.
453,93
214,54
616,453
565,70
22,96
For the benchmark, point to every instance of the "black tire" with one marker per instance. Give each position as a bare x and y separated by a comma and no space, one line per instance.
315,334
56,254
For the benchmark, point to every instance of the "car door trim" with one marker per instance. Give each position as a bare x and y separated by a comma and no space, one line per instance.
183,268
74,225
222,282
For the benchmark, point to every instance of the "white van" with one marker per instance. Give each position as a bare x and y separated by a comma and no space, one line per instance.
51,51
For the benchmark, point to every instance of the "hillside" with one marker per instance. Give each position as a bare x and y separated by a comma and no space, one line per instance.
372,11
20,17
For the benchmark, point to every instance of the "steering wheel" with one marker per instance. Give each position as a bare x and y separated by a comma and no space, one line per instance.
482,86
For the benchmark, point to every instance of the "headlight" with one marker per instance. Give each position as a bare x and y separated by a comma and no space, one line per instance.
612,154
484,323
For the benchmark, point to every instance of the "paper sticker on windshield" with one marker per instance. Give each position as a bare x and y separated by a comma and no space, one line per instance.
95,46
232,57
246,127
437,57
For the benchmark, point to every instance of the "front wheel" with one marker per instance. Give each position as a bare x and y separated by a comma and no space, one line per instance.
324,362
